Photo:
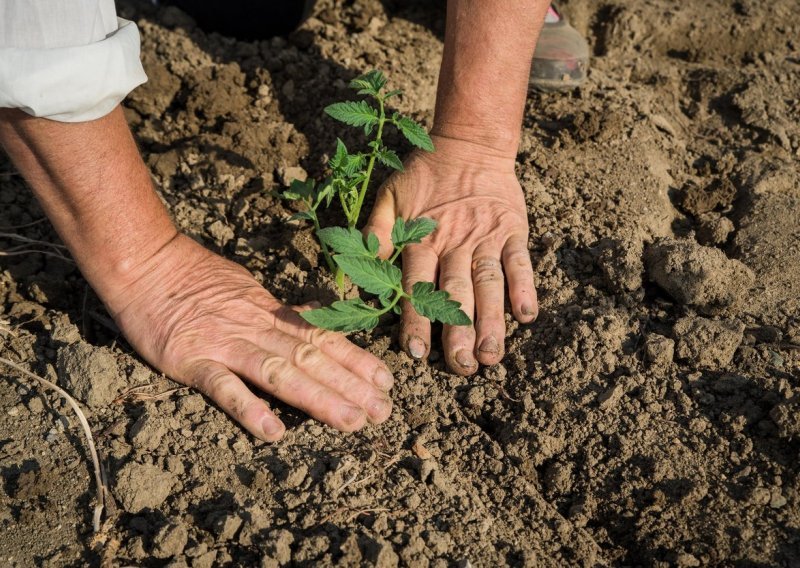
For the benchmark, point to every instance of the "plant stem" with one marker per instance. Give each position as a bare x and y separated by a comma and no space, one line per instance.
398,296
353,219
397,252
328,258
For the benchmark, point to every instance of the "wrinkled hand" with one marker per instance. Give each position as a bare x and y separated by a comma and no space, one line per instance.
207,323
481,242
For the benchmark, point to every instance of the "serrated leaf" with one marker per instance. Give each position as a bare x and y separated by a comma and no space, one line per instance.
411,232
392,93
352,164
373,244
299,190
347,241
414,133
343,315
373,275
337,160
370,83
304,215
354,113
389,158
436,305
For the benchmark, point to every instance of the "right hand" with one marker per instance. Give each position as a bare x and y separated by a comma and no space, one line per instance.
207,323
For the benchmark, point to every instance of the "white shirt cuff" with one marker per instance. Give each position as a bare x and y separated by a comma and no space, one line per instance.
72,84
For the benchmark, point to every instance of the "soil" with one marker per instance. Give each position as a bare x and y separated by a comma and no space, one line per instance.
651,416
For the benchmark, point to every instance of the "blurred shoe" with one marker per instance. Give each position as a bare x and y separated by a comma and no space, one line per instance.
561,59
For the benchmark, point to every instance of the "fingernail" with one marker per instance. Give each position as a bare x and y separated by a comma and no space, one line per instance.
416,348
465,359
528,310
378,406
351,414
383,379
271,427
489,345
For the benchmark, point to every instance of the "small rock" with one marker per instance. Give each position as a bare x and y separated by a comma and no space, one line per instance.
191,404
147,432
611,397
297,476
659,350
287,174
35,405
714,229
777,500
786,417
221,232
698,276
65,331
205,560
225,524
170,541
708,343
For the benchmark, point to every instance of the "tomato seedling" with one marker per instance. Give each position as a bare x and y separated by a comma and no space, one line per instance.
346,250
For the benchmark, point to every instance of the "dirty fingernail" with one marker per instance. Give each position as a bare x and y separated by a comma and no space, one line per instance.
465,359
378,406
416,348
271,426
383,379
528,310
489,345
351,414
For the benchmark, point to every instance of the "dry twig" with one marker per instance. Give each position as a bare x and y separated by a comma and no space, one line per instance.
99,477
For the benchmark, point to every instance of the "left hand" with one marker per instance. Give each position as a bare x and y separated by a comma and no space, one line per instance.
481,241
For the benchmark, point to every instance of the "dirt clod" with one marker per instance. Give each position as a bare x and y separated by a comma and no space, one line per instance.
698,276
170,540
90,373
707,343
142,486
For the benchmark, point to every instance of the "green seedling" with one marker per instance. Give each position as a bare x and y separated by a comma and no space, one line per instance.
346,250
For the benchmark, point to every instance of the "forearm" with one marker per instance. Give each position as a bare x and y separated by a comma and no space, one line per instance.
483,81
94,187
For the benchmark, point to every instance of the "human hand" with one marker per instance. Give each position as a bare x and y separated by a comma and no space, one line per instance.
475,196
206,322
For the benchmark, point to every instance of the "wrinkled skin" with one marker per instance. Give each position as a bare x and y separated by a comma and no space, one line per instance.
478,246
207,323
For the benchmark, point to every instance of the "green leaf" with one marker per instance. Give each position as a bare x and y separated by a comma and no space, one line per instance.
337,160
347,241
389,158
411,232
391,94
299,189
353,164
354,113
413,132
373,275
344,315
370,83
436,305
305,215
373,244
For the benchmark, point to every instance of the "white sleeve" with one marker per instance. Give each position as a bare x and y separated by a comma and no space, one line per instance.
66,60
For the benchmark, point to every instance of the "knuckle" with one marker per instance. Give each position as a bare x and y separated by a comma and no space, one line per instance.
322,337
274,371
519,260
486,271
304,354
457,286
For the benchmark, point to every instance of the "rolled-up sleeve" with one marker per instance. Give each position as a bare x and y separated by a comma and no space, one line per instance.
66,60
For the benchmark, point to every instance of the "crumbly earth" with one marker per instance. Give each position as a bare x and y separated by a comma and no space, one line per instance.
624,427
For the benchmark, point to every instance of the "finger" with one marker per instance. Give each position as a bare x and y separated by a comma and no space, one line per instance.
489,287
312,305
419,265
325,370
382,219
336,346
238,401
519,273
455,277
277,376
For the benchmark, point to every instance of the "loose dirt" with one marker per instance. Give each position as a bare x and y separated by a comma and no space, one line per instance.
649,417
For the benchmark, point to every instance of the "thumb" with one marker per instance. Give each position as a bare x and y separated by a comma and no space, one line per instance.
381,221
